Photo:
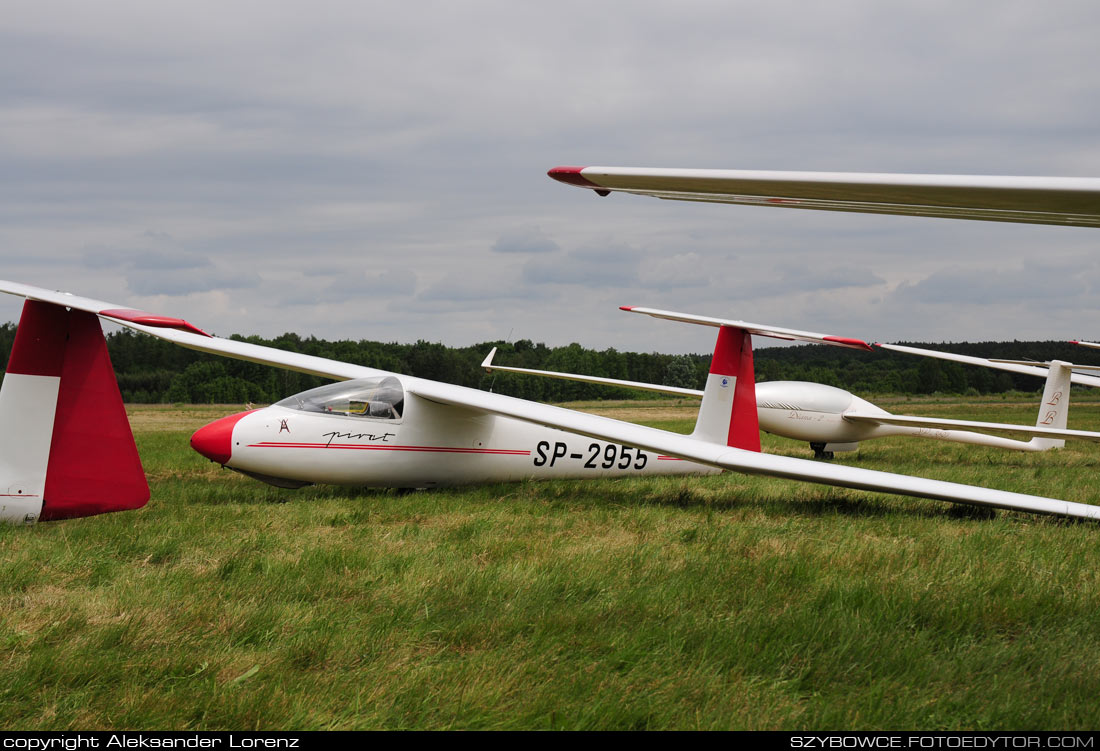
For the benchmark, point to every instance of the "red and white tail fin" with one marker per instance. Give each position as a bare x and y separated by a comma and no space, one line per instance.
728,412
66,448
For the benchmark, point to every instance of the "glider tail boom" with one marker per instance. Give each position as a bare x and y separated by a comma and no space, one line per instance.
66,448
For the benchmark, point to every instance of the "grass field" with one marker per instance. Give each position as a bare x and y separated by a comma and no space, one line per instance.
715,603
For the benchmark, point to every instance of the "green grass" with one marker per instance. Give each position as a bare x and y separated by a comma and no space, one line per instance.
713,603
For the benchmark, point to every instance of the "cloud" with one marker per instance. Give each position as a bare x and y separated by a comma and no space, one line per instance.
816,278
160,272
461,288
614,265
1031,282
525,240
188,281
388,283
671,272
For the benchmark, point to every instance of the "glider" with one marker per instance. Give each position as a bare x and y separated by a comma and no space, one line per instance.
832,419
1069,201
66,449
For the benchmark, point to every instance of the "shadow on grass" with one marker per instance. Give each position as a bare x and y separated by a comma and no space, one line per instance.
711,494
825,502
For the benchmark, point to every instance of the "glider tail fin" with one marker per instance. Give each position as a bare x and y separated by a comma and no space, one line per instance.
1054,407
728,413
66,448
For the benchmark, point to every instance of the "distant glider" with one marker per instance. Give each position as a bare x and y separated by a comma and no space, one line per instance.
832,419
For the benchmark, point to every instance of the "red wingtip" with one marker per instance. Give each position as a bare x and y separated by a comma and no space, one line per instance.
571,176
847,342
1074,341
148,319
626,307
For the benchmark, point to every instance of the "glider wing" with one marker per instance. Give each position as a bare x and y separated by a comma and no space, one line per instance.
1071,201
738,460
1035,431
1038,369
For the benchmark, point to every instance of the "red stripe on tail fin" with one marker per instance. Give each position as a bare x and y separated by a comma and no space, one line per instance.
93,465
733,356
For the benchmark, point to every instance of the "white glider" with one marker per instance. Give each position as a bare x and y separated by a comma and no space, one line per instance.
832,419
66,448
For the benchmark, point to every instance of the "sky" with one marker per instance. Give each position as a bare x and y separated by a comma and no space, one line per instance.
374,170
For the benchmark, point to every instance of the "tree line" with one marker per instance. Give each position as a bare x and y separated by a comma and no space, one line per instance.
151,370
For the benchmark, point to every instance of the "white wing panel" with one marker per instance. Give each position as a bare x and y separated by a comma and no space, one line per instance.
1034,200
654,387
1037,370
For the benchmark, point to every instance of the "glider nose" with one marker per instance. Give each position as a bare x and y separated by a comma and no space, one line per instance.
215,441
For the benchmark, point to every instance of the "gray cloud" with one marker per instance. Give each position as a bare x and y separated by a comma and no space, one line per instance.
799,279
524,240
188,281
1031,282
389,283
606,266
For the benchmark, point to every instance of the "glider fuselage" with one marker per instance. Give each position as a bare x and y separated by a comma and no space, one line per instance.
419,444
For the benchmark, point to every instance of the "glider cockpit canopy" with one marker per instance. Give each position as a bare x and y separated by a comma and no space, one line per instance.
379,398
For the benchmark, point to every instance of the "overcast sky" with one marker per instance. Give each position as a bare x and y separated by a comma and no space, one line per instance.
378,170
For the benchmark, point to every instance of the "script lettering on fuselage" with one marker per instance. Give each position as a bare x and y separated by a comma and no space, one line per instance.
332,436
803,416
595,455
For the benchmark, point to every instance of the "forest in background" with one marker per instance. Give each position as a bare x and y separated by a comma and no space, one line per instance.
154,371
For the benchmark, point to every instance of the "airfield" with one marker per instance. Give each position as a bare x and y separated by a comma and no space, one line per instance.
727,602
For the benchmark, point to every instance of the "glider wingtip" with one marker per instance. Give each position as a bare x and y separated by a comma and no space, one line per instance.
562,170
487,363
572,176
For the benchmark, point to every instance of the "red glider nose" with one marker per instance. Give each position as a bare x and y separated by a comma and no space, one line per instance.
215,441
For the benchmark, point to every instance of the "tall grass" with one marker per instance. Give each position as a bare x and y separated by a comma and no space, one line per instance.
710,603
